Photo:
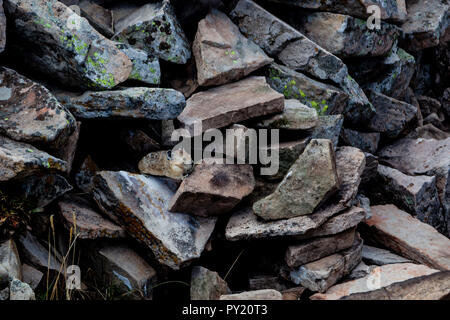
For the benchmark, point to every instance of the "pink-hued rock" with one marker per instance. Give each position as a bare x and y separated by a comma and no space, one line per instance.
407,236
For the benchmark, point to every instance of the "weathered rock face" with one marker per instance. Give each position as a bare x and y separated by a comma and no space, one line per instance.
392,10
207,285
426,24
64,45
429,287
30,113
310,181
380,257
31,276
78,213
344,35
295,85
85,175
365,141
133,103
378,278
139,204
145,67
407,236
391,115
99,17
322,274
2,27
67,152
328,127
18,160
296,51
155,29
20,291
222,53
10,266
296,116
314,249
415,194
265,294
173,164
37,255
230,103
213,189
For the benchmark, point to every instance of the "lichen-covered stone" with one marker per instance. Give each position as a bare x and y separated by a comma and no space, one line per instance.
85,175
207,285
222,53
65,46
310,181
133,103
295,116
139,204
30,113
19,290
154,28
328,127
18,160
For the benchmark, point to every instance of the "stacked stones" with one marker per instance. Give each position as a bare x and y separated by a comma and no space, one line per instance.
362,115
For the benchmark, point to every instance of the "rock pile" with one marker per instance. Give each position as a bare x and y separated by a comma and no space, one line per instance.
106,186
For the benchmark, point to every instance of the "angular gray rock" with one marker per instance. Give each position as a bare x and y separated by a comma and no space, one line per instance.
265,294
19,290
18,160
65,46
99,17
310,181
173,164
67,152
365,141
231,103
222,53
320,275
380,257
31,276
30,113
154,28
207,284
295,85
130,103
213,189
295,116
2,27
37,255
85,175
328,127
10,267
139,203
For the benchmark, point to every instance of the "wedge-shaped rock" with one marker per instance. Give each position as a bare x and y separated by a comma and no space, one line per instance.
296,116
407,236
416,194
222,53
18,160
207,285
322,274
427,24
139,203
246,225
435,286
31,276
2,27
231,103
365,141
393,10
380,257
265,294
297,52
213,189
30,113
85,175
154,28
310,181
344,35
99,17
10,266
37,255
314,94
314,249
67,152
133,103
145,67
64,46
379,277
391,115
78,214
328,127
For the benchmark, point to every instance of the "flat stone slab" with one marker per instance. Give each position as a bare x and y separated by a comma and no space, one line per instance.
207,285
380,257
222,53
231,103
37,255
89,223
213,189
265,294
310,181
30,113
20,160
130,103
140,205
378,278
407,236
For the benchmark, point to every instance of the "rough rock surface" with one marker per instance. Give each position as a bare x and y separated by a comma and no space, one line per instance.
265,294
2,27
173,164
31,276
10,267
380,257
65,46
295,116
19,290
365,141
207,285
37,255
139,203
310,181
222,53
328,127
213,189
230,103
